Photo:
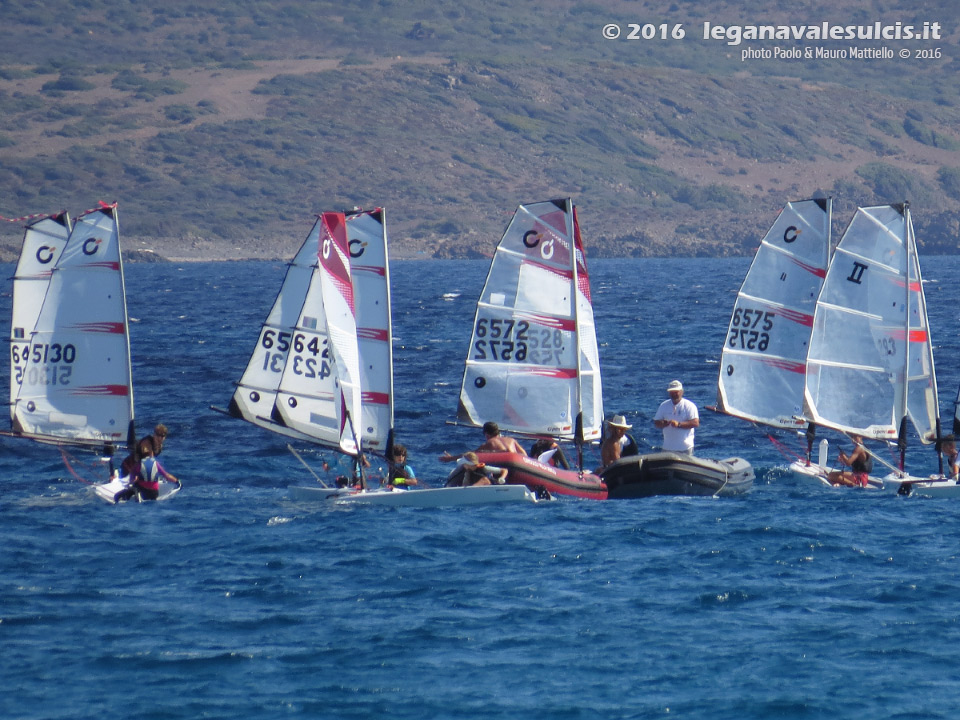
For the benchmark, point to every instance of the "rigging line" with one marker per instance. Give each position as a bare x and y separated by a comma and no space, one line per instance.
784,450
297,456
66,461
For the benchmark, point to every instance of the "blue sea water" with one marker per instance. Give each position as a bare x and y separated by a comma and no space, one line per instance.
793,601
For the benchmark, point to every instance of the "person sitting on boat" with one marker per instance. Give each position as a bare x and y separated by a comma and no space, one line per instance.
860,464
549,452
949,448
494,442
399,474
678,418
148,446
616,442
147,482
471,472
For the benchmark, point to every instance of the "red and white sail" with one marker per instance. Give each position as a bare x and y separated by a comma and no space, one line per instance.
370,270
319,392
533,364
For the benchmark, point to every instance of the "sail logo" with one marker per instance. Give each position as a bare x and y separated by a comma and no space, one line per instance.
44,254
532,238
325,249
791,234
357,253
91,245
856,275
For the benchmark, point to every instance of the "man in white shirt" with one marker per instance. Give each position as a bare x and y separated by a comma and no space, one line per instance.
678,417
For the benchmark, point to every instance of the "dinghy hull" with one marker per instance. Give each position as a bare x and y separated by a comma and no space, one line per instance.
668,473
428,497
538,476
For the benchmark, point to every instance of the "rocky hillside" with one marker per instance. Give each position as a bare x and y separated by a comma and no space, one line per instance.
222,131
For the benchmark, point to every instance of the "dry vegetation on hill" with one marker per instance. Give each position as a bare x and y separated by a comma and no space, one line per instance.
222,131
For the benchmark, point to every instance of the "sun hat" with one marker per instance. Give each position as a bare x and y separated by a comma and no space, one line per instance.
619,421
675,385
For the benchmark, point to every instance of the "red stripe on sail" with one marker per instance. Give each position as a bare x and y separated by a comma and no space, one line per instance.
813,269
372,334
797,317
376,398
916,336
375,269
567,324
560,373
100,390
333,254
115,328
583,277
789,365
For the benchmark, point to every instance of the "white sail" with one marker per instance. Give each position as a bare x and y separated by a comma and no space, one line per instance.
370,269
256,392
43,241
763,363
870,362
76,386
319,390
533,364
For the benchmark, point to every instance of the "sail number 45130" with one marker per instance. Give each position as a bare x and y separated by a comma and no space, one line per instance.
42,364
749,329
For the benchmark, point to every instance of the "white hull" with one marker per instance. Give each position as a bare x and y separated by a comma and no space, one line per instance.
818,473
108,491
934,486
433,497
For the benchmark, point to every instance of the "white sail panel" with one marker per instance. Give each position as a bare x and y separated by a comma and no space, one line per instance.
43,241
522,366
319,392
77,381
864,330
370,270
307,400
256,392
763,363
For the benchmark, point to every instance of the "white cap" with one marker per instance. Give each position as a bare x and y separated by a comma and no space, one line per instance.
675,385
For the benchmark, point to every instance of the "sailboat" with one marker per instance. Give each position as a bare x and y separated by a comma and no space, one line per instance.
533,366
72,383
870,364
763,363
322,370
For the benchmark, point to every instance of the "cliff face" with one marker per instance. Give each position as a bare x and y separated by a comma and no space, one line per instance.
222,132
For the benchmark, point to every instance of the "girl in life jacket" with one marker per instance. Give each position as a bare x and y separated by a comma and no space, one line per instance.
147,484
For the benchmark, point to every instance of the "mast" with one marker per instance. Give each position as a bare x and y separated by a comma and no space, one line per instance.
573,231
131,429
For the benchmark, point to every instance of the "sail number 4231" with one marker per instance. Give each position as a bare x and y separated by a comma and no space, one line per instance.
749,329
